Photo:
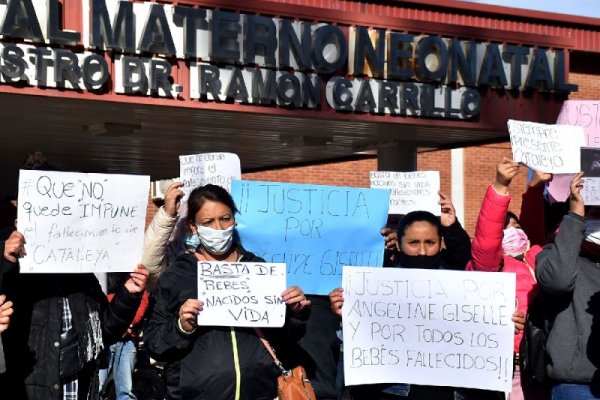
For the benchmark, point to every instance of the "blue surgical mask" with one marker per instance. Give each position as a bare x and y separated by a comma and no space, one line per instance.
216,241
192,241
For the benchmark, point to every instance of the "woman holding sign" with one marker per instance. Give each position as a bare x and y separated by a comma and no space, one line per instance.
501,244
216,362
420,236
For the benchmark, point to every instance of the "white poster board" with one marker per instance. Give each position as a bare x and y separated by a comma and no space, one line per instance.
409,191
241,294
546,148
74,222
428,327
215,168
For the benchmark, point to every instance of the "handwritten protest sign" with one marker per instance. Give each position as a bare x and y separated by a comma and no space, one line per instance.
409,191
215,168
584,113
314,229
75,222
428,327
546,148
241,294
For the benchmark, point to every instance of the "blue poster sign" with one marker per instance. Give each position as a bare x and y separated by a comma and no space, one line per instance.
314,229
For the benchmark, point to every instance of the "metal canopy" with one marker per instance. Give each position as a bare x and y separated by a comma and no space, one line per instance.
102,136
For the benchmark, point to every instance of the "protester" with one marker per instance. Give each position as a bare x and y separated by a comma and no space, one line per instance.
10,250
122,354
166,236
568,271
500,244
420,240
60,325
216,362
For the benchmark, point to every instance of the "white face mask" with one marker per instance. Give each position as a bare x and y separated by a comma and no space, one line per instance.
592,231
215,241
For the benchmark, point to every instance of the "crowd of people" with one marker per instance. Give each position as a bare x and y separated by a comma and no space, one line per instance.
61,334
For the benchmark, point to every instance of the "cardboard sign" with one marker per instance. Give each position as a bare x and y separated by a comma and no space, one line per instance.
314,229
241,294
546,148
75,222
428,327
215,168
409,191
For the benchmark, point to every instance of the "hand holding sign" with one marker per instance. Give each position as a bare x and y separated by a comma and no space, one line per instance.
188,314
14,247
448,216
173,198
137,280
506,170
576,203
336,301
295,299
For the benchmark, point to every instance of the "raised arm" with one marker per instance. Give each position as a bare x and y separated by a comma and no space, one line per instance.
486,251
159,231
457,243
557,265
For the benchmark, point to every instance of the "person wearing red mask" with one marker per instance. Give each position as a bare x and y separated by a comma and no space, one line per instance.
501,244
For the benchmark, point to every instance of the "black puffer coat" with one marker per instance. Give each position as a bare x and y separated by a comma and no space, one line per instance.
208,363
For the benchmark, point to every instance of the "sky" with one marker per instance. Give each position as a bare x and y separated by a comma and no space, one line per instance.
585,8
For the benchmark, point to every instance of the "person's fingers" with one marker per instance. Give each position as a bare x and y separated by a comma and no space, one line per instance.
6,306
295,299
291,292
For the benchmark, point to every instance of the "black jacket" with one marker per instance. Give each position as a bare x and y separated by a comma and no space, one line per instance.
31,343
204,360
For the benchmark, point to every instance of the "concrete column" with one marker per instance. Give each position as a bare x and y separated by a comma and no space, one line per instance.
458,183
396,157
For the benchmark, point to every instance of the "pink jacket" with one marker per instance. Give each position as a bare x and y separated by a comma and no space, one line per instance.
486,250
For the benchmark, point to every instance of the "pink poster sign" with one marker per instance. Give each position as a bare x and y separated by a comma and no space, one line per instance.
585,113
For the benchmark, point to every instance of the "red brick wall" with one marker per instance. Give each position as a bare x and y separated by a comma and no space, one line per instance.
589,86
346,173
480,171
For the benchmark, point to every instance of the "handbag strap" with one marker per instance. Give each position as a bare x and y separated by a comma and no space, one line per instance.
271,351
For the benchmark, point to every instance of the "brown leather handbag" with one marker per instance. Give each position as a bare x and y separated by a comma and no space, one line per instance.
292,384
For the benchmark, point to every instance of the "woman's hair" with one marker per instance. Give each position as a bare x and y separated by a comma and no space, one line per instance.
510,215
418,216
209,192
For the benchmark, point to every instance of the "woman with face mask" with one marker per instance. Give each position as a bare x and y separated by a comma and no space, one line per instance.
568,270
419,245
501,244
215,362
